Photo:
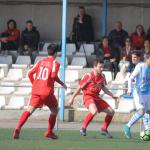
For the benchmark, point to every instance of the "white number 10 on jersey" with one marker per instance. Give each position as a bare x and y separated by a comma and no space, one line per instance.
43,74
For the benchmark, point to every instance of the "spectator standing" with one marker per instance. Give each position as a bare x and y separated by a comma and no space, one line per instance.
82,27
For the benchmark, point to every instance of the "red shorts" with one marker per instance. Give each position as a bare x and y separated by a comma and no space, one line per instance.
100,103
40,100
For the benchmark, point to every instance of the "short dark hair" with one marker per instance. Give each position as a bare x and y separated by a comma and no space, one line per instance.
14,22
52,49
97,61
138,53
29,21
81,7
147,55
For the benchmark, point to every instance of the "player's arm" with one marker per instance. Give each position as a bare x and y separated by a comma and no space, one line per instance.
82,84
105,89
132,77
72,98
60,82
55,69
32,71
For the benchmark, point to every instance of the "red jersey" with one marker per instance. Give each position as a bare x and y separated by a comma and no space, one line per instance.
45,72
14,35
92,84
137,41
107,50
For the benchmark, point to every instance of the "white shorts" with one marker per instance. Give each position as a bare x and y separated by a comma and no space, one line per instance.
145,101
136,100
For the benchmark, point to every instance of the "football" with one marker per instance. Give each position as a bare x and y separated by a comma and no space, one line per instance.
145,135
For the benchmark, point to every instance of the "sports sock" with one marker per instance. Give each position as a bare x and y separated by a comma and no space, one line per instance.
87,120
51,122
134,118
145,120
107,121
23,119
148,116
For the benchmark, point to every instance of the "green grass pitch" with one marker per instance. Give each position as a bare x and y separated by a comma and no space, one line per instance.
33,139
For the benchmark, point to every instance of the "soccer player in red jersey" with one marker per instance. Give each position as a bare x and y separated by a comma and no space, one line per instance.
91,85
45,72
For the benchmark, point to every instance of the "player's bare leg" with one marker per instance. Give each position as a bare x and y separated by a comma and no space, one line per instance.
88,119
25,115
110,113
51,123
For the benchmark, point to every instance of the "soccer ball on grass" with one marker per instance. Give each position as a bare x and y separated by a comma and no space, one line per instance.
145,135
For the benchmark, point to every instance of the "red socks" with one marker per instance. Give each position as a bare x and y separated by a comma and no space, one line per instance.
23,119
87,120
107,121
51,122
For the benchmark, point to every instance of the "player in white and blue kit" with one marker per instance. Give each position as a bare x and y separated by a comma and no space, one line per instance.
136,59
141,74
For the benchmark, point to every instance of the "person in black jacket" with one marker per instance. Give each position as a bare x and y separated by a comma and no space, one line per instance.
117,39
29,39
82,27
148,34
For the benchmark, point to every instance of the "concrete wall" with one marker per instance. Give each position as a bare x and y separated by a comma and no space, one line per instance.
47,18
